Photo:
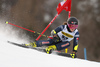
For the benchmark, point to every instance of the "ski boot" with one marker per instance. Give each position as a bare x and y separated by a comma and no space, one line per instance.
49,49
31,44
73,55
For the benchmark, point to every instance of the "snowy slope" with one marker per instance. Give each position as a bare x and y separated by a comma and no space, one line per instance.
14,56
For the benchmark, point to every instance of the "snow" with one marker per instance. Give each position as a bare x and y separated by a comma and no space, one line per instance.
14,56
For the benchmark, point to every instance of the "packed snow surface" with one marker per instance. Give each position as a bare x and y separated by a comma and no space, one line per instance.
14,56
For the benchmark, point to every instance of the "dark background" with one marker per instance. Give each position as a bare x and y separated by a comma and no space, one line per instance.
36,14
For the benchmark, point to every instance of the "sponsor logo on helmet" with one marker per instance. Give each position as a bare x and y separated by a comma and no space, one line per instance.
75,23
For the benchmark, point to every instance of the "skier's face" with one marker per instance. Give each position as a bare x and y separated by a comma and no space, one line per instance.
72,26
72,30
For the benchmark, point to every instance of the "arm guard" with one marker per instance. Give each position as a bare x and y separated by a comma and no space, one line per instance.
58,29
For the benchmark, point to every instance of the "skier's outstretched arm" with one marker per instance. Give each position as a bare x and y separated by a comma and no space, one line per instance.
75,45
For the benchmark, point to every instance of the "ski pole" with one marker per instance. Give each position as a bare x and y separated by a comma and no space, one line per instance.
65,4
27,29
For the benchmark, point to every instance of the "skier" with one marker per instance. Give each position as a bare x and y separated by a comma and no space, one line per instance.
62,36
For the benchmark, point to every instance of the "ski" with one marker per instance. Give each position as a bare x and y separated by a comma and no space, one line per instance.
63,54
20,45
41,49
28,47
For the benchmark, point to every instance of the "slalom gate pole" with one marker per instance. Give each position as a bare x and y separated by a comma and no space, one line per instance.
47,27
53,19
69,14
85,54
28,29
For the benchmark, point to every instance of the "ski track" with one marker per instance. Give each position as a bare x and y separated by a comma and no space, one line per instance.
14,56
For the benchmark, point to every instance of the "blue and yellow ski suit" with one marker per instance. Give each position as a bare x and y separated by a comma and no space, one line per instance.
65,36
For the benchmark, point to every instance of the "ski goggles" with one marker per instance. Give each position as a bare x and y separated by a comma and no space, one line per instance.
71,26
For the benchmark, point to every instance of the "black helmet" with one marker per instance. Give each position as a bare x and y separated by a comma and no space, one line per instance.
72,22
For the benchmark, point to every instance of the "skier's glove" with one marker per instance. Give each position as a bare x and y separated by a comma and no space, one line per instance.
56,39
55,36
73,55
53,33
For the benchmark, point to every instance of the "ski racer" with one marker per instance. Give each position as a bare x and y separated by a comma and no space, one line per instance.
62,36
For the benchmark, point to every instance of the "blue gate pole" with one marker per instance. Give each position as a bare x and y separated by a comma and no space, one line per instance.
85,55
